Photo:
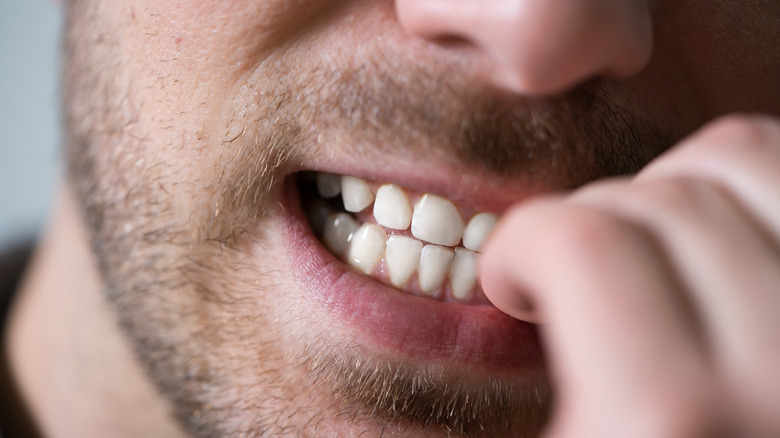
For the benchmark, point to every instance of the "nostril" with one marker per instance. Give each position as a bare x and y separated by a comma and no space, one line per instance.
451,41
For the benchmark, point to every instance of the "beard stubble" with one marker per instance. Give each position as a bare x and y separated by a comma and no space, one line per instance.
183,276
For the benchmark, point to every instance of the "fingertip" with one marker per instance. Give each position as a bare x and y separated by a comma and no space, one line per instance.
501,284
514,303
511,254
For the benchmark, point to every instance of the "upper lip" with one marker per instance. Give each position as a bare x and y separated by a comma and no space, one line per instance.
466,188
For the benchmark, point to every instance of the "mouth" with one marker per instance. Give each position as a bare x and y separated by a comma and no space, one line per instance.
396,270
418,243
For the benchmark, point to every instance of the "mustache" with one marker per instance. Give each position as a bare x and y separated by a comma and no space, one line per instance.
389,103
436,110
589,132
392,105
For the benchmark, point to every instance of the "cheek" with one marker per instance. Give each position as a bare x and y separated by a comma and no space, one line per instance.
188,64
186,60
225,32
194,41
190,58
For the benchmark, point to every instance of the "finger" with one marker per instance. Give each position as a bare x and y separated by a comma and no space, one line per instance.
729,267
740,153
726,263
623,359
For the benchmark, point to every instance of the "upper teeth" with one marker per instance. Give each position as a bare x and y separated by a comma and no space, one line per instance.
478,229
328,185
355,193
433,219
437,220
392,209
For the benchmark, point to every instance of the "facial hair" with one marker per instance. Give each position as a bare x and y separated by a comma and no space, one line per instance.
181,273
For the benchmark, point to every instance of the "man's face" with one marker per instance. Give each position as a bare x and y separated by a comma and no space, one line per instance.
190,124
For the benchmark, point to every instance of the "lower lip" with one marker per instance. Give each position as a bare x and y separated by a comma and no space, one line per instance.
416,327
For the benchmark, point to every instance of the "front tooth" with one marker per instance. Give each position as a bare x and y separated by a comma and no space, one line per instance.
367,247
328,184
437,220
463,273
355,193
478,229
338,228
434,262
402,257
392,208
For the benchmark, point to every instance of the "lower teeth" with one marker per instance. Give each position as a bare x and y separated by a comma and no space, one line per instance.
391,256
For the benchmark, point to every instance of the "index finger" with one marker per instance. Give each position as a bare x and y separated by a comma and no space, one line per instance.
622,352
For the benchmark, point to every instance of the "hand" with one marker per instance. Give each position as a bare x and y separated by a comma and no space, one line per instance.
658,296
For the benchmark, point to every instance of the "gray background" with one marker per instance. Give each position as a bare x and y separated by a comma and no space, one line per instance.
29,115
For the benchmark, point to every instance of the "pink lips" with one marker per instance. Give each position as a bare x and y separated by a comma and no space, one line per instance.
383,318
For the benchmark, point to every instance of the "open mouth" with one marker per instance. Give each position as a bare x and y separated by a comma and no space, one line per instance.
419,243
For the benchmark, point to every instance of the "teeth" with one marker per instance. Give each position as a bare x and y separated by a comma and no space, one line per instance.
367,248
337,230
478,229
391,207
402,257
437,220
463,273
355,193
434,262
433,220
318,213
328,184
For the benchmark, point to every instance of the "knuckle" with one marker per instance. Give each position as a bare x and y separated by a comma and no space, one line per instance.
686,414
678,194
582,233
740,133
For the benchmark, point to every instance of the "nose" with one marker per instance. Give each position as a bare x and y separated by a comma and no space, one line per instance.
540,47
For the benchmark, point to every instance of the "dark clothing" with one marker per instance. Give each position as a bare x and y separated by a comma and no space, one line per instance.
15,421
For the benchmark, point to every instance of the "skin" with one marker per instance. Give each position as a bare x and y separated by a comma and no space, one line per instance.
678,302
184,119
